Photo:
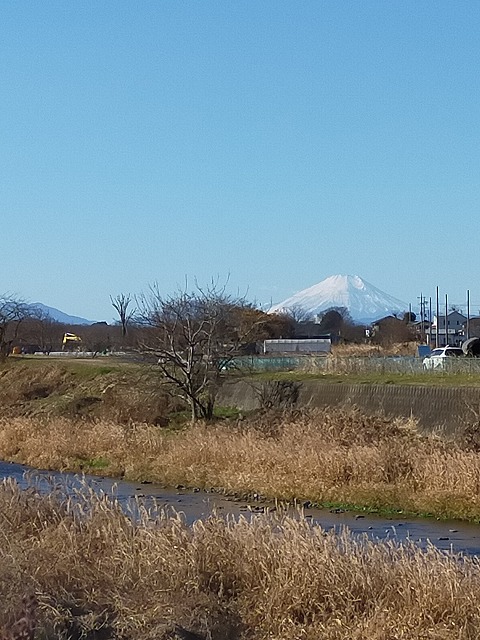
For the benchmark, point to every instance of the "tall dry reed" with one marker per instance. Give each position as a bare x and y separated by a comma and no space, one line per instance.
324,456
376,350
98,573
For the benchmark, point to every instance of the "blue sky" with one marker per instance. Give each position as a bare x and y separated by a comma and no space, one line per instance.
277,142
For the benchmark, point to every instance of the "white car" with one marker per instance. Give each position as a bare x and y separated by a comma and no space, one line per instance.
439,357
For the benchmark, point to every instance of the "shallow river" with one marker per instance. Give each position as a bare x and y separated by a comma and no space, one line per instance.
446,535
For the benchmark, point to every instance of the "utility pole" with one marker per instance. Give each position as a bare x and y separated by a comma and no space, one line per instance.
468,314
446,320
423,303
437,332
430,321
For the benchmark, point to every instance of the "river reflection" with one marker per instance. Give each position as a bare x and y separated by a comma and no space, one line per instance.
454,536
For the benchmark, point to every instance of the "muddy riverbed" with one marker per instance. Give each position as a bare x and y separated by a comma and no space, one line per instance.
459,537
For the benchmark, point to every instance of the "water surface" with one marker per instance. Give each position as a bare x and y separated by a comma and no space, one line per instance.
460,537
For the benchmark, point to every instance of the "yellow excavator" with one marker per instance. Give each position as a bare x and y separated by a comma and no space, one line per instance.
69,338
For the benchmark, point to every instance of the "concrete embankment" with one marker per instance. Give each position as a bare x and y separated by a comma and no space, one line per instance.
447,408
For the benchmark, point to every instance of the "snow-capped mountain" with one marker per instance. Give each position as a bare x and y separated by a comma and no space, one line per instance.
365,302
60,316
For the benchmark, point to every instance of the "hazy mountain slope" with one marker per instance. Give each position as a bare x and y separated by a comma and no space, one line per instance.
365,302
60,316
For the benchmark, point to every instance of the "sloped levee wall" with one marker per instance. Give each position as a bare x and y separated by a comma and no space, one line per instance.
447,409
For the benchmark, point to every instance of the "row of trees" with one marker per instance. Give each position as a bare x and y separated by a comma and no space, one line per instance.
22,325
192,336
28,328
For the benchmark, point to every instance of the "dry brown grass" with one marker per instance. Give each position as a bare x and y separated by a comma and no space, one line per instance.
98,574
83,390
21,383
336,456
367,350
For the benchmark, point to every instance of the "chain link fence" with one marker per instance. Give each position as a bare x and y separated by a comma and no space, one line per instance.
354,364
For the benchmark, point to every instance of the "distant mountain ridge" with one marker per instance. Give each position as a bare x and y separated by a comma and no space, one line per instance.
365,302
60,316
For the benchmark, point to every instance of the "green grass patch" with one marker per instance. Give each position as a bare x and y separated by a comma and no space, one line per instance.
93,465
84,370
427,378
226,412
97,463
380,510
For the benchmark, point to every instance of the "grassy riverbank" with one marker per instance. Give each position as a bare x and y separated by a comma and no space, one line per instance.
83,389
334,456
97,575
114,419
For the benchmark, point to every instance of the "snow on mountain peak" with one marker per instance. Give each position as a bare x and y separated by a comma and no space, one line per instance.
365,302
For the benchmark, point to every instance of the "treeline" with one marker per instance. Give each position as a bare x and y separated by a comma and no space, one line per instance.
25,329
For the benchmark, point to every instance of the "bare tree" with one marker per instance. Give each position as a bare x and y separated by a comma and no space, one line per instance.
40,331
12,313
280,325
391,330
121,303
195,336
335,320
297,314
96,338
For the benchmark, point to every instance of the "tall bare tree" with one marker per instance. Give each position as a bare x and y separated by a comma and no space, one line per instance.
121,304
194,336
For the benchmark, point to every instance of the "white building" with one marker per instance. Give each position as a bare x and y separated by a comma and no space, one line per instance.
308,345
454,335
